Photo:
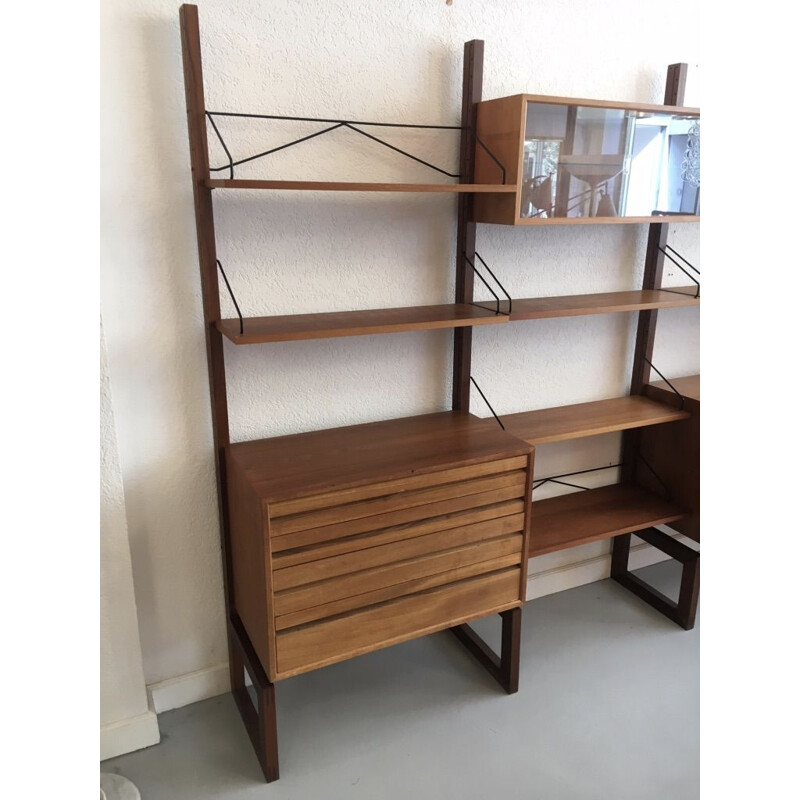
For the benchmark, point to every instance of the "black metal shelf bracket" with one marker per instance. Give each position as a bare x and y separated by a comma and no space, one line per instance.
681,268
494,414
486,284
233,297
666,380
353,125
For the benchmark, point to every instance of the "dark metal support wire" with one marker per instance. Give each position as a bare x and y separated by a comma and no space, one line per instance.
681,268
475,384
555,478
224,147
483,280
402,152
655,475
233,297
339,123
486,284
666,380
497,280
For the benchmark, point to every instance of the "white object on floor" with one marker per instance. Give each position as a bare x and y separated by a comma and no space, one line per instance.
115,787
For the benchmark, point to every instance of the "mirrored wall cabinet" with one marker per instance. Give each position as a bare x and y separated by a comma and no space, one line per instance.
587,161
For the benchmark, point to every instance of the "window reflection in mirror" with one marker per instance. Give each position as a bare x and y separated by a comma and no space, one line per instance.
583,161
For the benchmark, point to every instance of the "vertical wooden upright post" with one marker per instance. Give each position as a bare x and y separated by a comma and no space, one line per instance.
260,720
654,258
682,612
472,90
207,252
653,270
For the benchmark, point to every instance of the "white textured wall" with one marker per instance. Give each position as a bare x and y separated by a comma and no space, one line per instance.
126,723
292,252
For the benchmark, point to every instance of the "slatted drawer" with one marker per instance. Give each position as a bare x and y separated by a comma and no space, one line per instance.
343,558
334,639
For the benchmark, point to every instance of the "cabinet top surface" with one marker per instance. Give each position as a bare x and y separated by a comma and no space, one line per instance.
306,463
593,102
689,387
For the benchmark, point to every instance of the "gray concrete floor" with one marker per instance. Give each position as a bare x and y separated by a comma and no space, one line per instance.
607,708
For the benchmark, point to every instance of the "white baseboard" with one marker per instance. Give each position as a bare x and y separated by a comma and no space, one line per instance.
189,688
597,568
128,735
212,681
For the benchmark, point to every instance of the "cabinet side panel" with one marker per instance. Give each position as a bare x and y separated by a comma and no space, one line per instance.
249,560
673,451
526,531
500,128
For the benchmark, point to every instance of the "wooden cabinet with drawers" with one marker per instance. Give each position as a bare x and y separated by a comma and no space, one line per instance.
344,541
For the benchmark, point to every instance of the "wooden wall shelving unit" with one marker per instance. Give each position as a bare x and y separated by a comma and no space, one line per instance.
342,541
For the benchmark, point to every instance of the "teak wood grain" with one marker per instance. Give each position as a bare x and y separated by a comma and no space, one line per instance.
357,583
330,325
472,516
576,305
330,609
328,186
379,506
589,419
499,123
595,514
675,454
341,530
289,467
466,230
380,488
424,504
395,552
688,387
319,644
252,566
595,103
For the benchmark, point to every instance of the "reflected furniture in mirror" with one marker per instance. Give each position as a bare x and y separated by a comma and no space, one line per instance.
579,161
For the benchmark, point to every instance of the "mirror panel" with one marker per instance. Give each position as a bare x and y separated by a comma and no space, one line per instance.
589,162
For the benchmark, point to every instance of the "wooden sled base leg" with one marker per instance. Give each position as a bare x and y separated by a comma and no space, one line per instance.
684,611
260,718
505,667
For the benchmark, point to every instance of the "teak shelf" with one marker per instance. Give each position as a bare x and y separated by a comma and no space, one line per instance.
328,186
576,305
563,423
329,325
340,542
596,514
332,324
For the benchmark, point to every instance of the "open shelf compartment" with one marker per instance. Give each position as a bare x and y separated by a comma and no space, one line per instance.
596,514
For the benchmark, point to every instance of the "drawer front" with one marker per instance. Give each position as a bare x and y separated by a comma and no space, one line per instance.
450,493
402,554
334,639
382,488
